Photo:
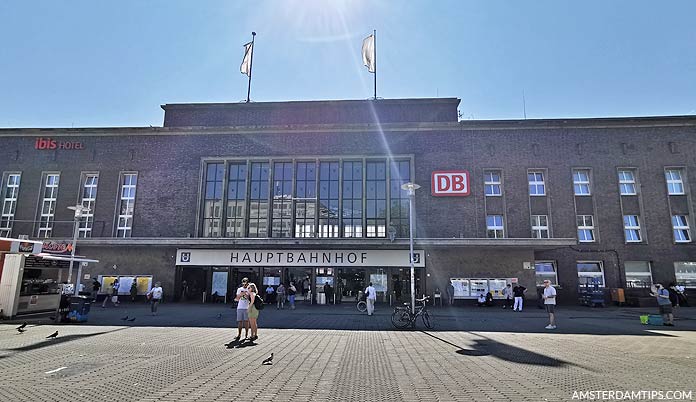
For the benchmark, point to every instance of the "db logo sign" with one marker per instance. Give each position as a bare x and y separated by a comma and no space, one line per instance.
451,183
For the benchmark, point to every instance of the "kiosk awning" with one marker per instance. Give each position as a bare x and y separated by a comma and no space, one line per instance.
53,257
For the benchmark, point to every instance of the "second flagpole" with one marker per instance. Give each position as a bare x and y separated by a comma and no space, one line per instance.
374,33
251,64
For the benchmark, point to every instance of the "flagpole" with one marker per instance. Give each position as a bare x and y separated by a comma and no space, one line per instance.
251,64
374,32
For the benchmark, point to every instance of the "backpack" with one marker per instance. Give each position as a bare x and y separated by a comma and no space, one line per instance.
258,302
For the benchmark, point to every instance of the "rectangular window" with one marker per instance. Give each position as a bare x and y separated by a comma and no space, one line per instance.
48,204
236,199
258,199
675,183
680,226
685,272
328,199
545,270
492,184
281,225
129,183
632,228
638,274
540,226
398,212
586,228
627,182
10,193
537,187
376,199
88,199
352,199
494,227
212,203
581,181
590,273
306,199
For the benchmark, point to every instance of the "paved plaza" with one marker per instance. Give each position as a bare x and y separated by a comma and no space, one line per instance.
335,353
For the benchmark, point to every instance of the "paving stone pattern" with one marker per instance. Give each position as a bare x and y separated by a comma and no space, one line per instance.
190,363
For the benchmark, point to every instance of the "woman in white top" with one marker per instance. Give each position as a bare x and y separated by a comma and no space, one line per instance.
155,295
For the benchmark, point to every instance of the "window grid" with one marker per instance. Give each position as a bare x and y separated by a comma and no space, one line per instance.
493,185
129,182
632,228
281,225
537,187
586,228
329,212
48,205
627,182
494,227
258,199
306,202
88,201
236,199
581,182
9,203
352,199
590,273
376,197
212,216
540,226
545,270
638,274
398,212
680,226
675,184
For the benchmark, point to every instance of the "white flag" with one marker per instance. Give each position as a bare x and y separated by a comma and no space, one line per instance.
368,53
245,68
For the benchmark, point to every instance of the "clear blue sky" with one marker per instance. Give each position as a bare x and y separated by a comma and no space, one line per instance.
112,63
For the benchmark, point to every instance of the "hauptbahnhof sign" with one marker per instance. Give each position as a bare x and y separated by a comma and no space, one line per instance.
299,258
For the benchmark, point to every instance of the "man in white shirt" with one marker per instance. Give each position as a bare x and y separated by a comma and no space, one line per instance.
371,298
242,299
156,297
550,303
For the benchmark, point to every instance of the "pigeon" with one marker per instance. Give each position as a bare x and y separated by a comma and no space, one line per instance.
53,335
268,361
124,318
132,319
21,327
20,330
219,316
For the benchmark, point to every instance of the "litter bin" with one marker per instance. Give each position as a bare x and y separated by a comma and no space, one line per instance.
79,308
321,298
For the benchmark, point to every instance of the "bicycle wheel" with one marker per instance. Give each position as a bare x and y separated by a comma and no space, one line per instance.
427,320
401,319
362,306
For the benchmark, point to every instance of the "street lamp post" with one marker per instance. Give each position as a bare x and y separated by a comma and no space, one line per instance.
79,213
411,188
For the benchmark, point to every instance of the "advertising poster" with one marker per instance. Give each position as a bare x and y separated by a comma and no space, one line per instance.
379,282
126,282
478,286
220,283
144,284
461,287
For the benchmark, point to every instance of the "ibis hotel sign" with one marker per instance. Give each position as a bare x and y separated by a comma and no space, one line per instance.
299,258
450,183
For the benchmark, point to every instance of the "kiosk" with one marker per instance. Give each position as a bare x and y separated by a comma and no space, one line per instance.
31,281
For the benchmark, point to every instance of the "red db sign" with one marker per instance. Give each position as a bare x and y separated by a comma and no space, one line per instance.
451,183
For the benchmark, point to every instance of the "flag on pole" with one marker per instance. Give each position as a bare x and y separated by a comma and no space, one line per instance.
368,53
245,68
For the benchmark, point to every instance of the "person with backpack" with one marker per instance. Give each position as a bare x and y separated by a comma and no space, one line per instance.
281,297
292,290
256,304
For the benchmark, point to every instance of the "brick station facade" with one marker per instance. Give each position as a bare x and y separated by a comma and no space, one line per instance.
600,201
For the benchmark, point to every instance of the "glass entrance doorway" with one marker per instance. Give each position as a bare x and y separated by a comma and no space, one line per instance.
350,283
302,279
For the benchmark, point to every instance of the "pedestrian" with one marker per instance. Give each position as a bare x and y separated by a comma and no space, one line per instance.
134,290
253,313
292,291
518,291
507,292
111,294
450,293
550,303
155,296
269,294
398,287
489,299
95,289
371,298
481,300
305,288
673,296
683,300
184,290
242,298
114,298
665,305
280,297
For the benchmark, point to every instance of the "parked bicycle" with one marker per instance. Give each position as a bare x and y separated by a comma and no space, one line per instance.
403,317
